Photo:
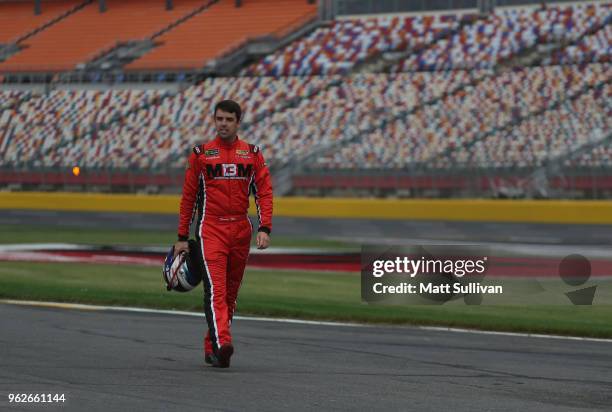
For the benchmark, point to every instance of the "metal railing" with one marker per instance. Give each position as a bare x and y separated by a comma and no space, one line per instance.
350,7
329,9
574,183
570,183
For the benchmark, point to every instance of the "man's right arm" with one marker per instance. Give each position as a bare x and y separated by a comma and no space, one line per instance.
190,191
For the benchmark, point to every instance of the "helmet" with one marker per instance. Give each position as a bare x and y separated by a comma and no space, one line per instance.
182,273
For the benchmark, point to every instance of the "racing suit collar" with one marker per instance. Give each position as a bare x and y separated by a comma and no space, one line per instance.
223,143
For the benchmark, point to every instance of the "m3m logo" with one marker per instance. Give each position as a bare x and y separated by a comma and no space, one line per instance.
229,171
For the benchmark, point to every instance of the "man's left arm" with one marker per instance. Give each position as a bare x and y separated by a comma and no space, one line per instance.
262,191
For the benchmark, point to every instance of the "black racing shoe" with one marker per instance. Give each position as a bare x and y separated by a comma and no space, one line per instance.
208,358
221,359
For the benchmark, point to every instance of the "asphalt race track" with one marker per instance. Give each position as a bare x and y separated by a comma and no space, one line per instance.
119,361
354,230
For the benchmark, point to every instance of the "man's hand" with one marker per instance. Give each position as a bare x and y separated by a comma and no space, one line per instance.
263,240
180,246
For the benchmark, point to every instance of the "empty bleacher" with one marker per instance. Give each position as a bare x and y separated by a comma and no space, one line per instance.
345,43
599,156
88,33
17,18
453,103
68,123
9,98
222,27
505,34
542,138
593,48
34,131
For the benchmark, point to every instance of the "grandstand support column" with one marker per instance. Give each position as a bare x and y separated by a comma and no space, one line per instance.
238,3
282,180
37,9
169,5
326,10
486,6
102,5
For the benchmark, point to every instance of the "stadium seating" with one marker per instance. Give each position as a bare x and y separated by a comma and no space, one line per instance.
339,114
429,113
598,157
43,124
428,135
17,18
172,127
545,137
506,33
87,33
405,118
594,48
337,48
167,129
224,27
9,98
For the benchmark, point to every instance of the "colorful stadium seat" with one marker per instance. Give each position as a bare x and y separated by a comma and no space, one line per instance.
453,104
507,33
339,47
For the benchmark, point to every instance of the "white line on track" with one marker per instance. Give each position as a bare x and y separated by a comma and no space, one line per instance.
79,306
524,335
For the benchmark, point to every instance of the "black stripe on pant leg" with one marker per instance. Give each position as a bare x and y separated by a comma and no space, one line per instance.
206,278
208,309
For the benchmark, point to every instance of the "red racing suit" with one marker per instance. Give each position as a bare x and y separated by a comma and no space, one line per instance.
218,181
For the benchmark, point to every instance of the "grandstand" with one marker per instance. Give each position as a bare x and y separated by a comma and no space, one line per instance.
505,34
17,21
224,27
456,102
87,33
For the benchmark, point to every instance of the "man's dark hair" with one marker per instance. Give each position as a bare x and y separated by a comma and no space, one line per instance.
229,106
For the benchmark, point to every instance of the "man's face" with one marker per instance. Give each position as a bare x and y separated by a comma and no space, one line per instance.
226,124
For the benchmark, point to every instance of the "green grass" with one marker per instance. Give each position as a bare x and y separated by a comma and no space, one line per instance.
10,234
286,294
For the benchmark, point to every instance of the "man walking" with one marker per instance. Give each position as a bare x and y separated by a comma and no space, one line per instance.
220,176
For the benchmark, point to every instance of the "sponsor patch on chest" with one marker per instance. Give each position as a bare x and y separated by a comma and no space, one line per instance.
243,154
229,171
211,152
